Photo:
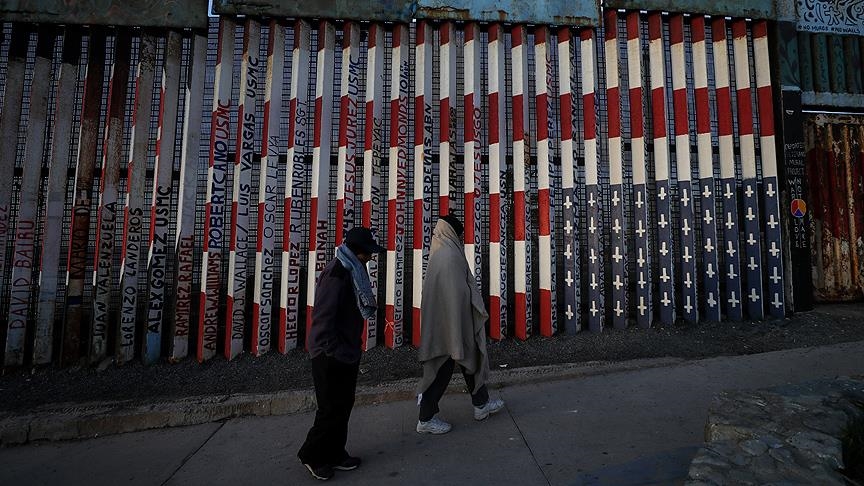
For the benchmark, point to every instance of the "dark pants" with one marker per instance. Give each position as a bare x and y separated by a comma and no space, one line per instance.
335,384
433,394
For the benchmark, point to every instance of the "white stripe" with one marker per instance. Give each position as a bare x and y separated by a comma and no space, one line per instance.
678,69
769,156
634,62
615,168
519,270
638,149
417,290
568,177
706,159
591,162
661,159
656,56
390,288
700,63
494,269
727,162
761,57
748,157
611,63
545,244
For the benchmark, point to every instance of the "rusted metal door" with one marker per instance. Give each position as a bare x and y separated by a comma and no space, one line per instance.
835,166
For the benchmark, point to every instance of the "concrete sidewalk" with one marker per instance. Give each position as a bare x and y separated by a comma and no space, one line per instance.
628,427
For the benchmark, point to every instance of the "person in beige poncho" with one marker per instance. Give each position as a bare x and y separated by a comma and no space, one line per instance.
453,317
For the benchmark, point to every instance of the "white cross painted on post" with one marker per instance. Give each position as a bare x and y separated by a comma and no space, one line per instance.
774,250
708,217
752,265
569,279
749,191
640,260
617,283
641,281
592,228
663,250
665,276
772,222
753,295
750,240
639,201
688,307
775,277
729,223
731,249
567,203
641,230
593,281
615,198
708,246
686,228
686,257
663,221
617,227
733,300
617,255
593,257
706,193
591,200
642,308
594,309
770,192
569,312
729,192
732,273
777,303
750,216
666,300
567,252
618,309
710,272
711,301
688,281
662,194
568,227
684,199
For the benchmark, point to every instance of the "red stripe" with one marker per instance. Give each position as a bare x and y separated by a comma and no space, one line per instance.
539,36
373,34
494,32
322,35
521,311
611,24
313,212
469,32
614,112
389,328
494,131
519,220
543,216
152,228
516,36
282,331
545,313
260,240
266,131
256,325
655,26
420,33
697,29
443,205
739,29
418,224
724,117
394,122
542,116
636,128
760,29
346,37
718,29
564,35
590,118
681,118
658,105
445,33
318,114
566,116
703,119
766,111
586,34
397,35
495,317
518,121
745,112
632,25
495,220
367,213
415,335
676,29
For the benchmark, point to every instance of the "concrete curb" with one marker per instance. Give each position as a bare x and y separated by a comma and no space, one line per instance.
87,420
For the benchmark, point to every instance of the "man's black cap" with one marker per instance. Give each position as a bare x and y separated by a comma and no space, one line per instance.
361,239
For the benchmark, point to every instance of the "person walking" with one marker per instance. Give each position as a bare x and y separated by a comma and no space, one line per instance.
454,332
343,299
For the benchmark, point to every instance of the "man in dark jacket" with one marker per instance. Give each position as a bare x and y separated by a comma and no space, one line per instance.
343,299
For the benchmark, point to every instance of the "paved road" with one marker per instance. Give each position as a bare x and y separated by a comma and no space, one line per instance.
626,428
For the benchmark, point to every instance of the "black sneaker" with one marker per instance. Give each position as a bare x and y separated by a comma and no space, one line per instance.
348,464
322,473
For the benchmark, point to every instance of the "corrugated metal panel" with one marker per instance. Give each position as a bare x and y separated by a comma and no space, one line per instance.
142,13
831,70
559,12
756,9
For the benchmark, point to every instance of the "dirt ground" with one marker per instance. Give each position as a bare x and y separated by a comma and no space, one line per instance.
25,389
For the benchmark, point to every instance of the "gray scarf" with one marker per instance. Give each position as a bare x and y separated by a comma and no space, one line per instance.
360,279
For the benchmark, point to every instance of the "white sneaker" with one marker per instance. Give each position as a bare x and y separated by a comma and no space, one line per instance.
494,405
433,426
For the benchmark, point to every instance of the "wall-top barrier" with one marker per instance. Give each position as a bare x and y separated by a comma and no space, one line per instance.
167,193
